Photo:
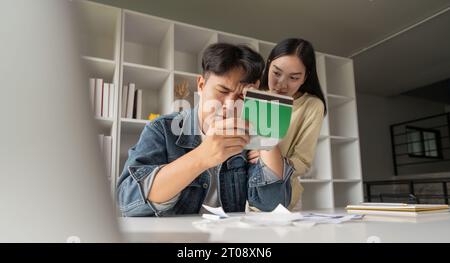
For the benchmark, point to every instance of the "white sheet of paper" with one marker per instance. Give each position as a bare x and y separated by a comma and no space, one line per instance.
279,216
218,211
329,218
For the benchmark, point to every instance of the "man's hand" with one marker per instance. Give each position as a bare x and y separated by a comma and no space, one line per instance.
224,138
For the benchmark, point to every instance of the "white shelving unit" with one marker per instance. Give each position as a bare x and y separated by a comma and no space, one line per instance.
336,172
317,195
237,40
189,45
123,46
101,48
265,48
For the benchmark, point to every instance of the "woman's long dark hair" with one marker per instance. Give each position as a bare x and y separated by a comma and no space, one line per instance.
305,52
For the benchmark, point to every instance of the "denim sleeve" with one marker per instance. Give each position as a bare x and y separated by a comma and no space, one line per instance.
265,189
161,207
143,163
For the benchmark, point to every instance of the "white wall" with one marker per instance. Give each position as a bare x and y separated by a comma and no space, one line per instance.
375,115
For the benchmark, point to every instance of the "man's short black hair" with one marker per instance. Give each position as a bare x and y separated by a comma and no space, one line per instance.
220,58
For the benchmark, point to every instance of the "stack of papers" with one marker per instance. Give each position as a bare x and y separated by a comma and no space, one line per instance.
280,216
330,218
397,209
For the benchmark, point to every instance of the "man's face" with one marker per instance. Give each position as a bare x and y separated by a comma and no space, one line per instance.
220,96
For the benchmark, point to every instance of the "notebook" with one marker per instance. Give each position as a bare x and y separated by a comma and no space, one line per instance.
397,209
269,115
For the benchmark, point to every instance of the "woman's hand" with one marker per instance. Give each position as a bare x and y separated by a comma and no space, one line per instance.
252,156
244,87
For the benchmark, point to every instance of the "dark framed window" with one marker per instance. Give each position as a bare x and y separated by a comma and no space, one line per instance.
423,143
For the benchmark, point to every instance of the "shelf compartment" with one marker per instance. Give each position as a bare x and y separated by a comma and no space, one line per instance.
339,76
99,29
345,159
193,97
190,42
343,120
317,196
321,166
100,68
346,193
156,85
148,41
105,125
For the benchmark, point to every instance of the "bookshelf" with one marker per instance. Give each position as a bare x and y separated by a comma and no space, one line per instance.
123,46
100,31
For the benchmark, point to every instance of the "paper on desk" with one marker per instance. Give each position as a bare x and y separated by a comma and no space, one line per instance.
330,218
216,211
279,216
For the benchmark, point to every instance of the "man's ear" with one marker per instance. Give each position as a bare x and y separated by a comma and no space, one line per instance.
200,83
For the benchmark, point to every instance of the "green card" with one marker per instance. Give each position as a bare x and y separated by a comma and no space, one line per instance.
269,115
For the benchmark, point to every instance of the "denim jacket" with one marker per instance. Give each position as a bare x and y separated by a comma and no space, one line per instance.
169,137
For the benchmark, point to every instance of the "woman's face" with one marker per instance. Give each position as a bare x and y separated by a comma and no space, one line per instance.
286,75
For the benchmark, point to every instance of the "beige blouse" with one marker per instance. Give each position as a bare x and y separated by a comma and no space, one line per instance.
299,144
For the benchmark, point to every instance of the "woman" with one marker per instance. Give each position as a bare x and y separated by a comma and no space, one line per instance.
291,70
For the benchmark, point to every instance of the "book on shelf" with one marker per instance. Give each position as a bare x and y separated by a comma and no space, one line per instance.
100,141
105,143
124,101
101,98
139,104
98,97
105,100
92,93
132,102
107,154
397,209
111,100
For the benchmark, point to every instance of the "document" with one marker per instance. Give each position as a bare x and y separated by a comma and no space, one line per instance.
280,216
269,115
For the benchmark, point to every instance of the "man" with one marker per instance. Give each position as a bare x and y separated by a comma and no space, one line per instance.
183,160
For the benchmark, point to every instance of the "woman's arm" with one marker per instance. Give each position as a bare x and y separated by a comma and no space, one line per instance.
305,145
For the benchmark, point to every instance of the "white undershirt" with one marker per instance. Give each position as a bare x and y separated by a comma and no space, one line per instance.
212,197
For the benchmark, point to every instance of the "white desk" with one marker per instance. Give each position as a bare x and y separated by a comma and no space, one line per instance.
181,229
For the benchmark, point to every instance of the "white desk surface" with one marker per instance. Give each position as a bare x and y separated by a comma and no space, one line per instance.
181,230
